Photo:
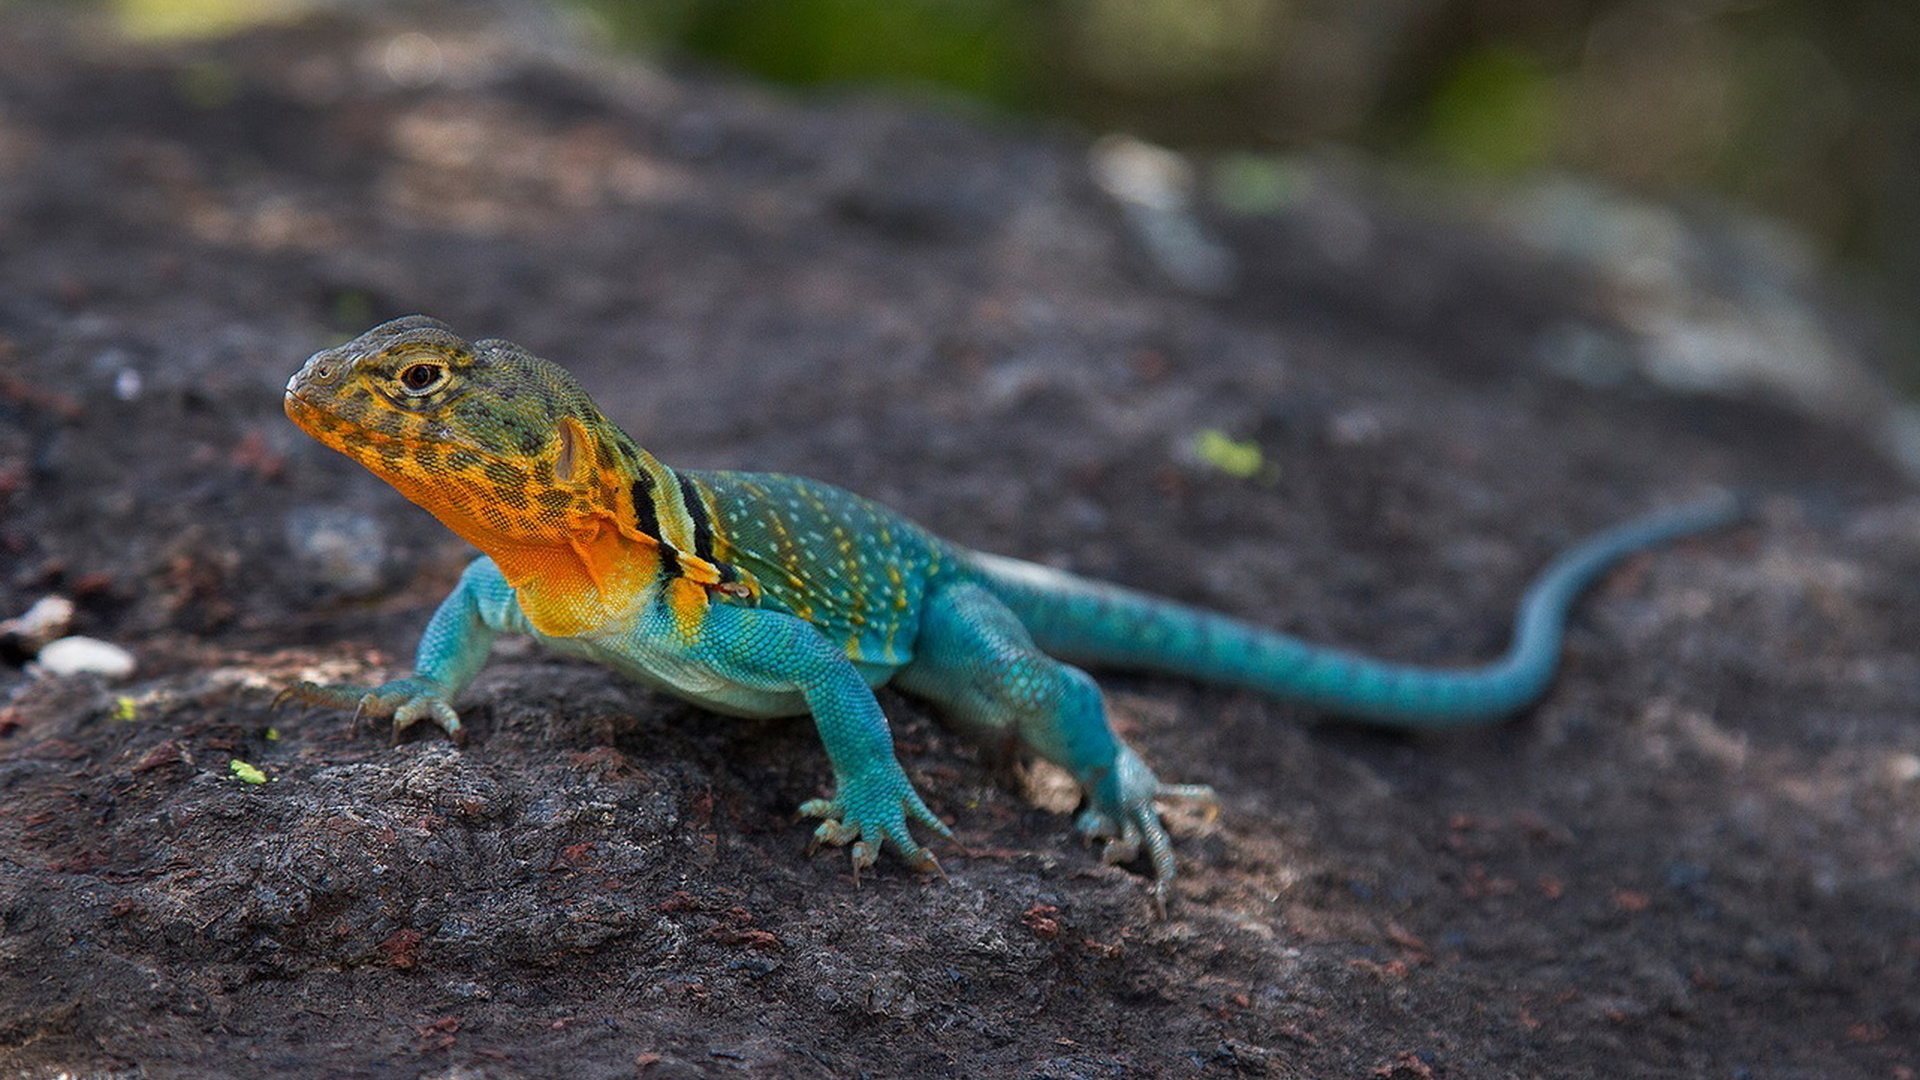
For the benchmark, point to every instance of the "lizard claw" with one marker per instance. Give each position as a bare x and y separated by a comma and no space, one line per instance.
1132,821
428,707
1123,848
829,833
406,701
870,812
862,855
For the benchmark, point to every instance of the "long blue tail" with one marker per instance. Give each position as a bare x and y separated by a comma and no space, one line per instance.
1095,623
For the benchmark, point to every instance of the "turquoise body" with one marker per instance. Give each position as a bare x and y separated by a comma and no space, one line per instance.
767,595
849,586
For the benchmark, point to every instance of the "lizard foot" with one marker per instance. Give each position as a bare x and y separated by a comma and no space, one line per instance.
1133,822
406,701
871,811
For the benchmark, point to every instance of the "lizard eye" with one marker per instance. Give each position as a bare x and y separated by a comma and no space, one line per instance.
420,379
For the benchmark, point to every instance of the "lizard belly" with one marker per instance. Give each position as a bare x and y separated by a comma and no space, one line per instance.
701,685
682,676
690,679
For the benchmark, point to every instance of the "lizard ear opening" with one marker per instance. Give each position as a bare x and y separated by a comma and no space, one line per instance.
571,461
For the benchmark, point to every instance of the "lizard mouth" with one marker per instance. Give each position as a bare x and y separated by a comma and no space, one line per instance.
354,438
323,423
333,429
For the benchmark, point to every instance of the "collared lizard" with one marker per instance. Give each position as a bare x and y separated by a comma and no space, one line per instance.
765,595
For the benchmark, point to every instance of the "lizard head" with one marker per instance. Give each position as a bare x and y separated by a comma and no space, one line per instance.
502,446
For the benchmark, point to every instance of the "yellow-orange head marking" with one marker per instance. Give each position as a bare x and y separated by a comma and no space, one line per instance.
509,452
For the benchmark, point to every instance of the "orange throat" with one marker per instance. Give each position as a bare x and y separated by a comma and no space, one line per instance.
596,581
576,571
571,580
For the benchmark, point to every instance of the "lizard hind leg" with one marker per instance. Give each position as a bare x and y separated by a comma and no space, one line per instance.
976,663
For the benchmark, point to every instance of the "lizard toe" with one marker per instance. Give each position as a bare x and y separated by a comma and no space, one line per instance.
919,812
405,701
929,864
1121,849
1126,817
832,833
862,855
422,707
872,811
1198,793
313,693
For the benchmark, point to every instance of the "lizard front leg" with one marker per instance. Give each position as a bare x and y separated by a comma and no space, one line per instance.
762,651
451,652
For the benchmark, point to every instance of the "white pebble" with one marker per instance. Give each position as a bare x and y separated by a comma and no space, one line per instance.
47,619
76,655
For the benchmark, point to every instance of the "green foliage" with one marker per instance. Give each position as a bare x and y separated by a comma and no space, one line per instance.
1495,113
1244,183
196,18
978,48
1171,43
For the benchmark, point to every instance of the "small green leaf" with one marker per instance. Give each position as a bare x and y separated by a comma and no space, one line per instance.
126,709
1231,456
246,772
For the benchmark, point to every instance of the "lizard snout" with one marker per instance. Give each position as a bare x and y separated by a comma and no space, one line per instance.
322,373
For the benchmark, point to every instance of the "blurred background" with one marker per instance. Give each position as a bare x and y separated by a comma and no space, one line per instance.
1801,112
